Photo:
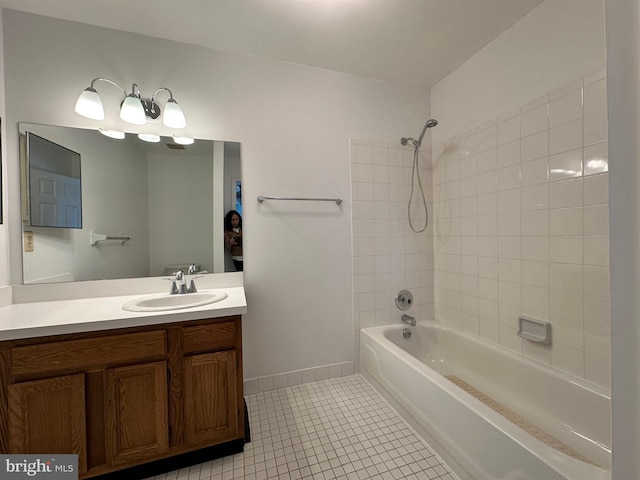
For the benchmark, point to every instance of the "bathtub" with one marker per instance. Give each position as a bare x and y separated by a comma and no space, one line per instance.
413,373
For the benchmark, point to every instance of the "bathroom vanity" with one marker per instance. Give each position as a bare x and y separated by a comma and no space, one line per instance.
124,389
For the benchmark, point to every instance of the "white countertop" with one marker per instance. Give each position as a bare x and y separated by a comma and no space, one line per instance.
56,317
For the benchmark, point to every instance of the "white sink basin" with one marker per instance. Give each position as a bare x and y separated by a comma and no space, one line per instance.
162,302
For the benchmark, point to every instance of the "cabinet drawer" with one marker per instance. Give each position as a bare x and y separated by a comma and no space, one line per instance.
87,353
214,336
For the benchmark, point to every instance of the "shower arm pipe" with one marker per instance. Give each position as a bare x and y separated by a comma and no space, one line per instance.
338,201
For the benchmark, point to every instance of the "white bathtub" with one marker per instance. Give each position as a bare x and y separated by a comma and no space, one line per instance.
574,412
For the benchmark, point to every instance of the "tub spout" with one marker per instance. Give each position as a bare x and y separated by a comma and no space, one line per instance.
408,319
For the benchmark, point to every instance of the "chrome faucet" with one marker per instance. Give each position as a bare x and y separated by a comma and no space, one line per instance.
179,282
408,319
192,270
182,288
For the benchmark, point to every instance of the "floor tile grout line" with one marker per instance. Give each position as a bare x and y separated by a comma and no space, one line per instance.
340,428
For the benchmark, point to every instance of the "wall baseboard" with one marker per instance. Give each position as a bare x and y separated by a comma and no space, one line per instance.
297,377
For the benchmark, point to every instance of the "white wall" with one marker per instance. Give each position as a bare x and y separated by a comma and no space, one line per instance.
623,50
557,43
294,124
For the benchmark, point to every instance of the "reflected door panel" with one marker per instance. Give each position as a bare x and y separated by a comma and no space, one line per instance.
55,199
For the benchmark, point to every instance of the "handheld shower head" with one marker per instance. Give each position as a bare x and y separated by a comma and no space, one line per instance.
432,122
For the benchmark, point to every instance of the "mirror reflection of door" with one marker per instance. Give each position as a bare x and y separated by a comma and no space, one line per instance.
238,195
55,199
233,254
55,192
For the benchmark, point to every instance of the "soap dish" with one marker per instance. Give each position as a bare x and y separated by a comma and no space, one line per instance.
534,330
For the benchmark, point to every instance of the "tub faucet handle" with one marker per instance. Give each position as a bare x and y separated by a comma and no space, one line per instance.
404,300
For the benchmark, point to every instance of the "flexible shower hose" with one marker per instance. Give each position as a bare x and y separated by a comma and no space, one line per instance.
415,172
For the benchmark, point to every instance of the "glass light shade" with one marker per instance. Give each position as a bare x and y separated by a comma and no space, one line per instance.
89,104
183,140
173,116
149,137
132,111
112,133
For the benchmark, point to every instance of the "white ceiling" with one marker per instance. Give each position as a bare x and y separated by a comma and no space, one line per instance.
412,41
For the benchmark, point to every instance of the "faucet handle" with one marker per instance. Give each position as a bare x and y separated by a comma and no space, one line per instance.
192,285
179,278
174,288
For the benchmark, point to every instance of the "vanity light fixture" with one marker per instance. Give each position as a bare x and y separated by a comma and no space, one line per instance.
149,137
112,133
133,109
183,140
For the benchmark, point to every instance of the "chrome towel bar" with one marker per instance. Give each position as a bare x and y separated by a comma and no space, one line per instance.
338,201
99,237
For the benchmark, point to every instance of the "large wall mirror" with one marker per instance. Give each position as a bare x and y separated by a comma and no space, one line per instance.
1,177
147,209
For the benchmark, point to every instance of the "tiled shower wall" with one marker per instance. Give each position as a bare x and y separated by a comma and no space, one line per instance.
387,255
521,227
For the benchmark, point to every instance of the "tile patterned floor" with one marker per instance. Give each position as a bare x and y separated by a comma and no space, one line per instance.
339,428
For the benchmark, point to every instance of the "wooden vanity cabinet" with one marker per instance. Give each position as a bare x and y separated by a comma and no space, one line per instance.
210,417
136,418
125,397
48,416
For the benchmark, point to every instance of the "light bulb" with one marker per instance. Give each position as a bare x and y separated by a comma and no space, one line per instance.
132,111
112,133
149,137
183,140
173,116
89,104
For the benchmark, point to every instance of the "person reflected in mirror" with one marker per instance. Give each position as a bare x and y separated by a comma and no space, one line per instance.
233,237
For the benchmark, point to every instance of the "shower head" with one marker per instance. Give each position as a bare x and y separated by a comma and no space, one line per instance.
432,122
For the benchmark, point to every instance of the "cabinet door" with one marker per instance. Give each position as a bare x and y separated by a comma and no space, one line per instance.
48,417
136,416
211,398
